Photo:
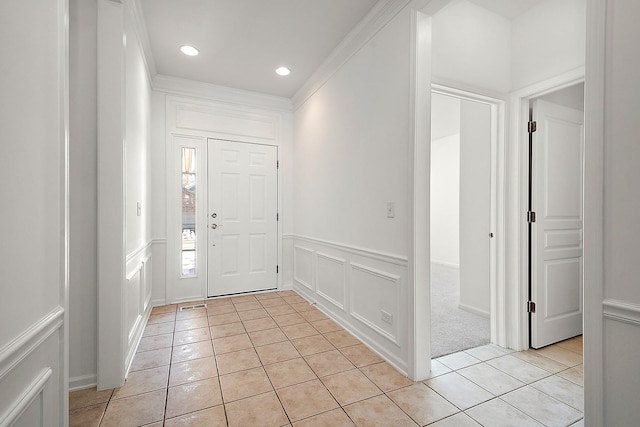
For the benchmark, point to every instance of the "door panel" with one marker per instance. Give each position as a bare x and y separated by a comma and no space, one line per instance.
557,233
243,245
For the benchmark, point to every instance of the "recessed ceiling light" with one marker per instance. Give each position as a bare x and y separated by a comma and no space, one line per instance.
283,71
189,50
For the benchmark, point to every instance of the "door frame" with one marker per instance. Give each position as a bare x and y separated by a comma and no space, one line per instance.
206,217
497,203
199,289
238,117
518,162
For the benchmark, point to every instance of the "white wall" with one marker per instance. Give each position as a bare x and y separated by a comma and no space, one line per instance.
138,140
83,204
351,158
478,49
125,271
137,136
472,48
621,231
351,141
475,206
445,200
547,40
33,127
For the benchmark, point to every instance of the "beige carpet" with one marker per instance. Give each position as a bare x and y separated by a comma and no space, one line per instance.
453,329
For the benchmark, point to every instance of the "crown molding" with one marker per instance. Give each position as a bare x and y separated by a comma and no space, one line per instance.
208,91
383,12
140,27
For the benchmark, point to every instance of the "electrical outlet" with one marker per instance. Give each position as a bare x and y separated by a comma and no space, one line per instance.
387,317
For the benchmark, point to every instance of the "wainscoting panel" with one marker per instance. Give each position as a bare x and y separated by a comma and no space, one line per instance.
158,272
137,298
303,266
133,290
31,367
330,279
147,282
382,291
362,290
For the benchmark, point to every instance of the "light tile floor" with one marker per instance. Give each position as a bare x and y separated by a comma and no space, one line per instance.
274,360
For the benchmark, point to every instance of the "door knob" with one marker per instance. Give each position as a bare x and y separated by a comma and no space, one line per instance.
214,226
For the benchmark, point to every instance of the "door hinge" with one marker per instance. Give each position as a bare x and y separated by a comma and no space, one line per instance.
532,126
531,307
277,164
531,216
277,269
278,217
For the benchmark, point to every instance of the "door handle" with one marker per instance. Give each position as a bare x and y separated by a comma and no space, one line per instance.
214,226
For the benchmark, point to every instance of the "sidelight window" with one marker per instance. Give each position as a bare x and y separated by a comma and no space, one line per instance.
188,239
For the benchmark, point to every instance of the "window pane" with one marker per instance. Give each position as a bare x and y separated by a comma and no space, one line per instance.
188,211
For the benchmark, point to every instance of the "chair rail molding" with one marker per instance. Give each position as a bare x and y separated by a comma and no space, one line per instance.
12,354
621,311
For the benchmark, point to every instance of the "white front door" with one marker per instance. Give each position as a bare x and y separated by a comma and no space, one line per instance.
556,238
242,217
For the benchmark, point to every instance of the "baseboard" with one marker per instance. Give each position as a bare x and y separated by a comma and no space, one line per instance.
82,382
158,302
474,310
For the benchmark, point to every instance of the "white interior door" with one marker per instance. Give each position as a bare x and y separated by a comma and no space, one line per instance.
242,217
556,238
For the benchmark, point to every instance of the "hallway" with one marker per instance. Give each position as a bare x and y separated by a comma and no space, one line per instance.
272,359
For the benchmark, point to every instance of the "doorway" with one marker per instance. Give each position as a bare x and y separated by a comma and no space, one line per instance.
555,224
242,250
222,218
463,220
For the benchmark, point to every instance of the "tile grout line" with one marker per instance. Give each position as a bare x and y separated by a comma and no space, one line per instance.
518,388
340,350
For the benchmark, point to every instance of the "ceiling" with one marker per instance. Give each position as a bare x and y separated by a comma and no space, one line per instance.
242,42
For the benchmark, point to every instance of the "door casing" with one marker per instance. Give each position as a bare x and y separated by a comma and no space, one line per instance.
497,243
517,328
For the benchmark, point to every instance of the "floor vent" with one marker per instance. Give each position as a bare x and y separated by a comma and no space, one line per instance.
192,307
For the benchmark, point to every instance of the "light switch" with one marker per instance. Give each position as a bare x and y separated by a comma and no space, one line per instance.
391,210
139,206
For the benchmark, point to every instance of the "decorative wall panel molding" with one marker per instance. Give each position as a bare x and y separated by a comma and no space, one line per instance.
362,290
142,249
31,374
303,266
382,291
232,96
621,311
137,298
30,405
355,250
330,279
219,120
25,344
